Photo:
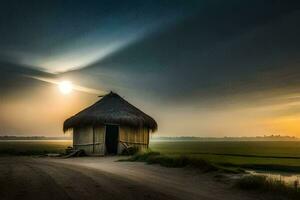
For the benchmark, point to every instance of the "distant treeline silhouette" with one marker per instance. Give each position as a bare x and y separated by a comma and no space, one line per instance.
256,138
7,137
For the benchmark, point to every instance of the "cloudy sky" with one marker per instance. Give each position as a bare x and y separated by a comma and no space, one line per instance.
201,68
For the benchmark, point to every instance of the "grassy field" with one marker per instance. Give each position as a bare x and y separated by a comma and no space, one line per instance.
266,155
33,147
264,148
282,156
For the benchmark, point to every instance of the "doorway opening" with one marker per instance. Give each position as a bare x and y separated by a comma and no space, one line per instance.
111,139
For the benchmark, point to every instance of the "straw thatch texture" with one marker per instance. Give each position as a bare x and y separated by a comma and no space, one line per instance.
111,109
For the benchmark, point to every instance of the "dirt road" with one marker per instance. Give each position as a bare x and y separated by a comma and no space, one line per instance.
102,178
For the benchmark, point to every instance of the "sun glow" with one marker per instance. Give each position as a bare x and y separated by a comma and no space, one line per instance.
65,87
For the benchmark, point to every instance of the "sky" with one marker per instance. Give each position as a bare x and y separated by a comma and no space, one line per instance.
199,68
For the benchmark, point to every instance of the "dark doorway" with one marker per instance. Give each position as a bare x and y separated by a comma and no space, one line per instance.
111,139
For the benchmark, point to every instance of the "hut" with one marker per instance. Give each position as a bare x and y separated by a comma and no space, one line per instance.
110,126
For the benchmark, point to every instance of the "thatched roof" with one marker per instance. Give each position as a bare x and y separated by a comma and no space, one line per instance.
111,109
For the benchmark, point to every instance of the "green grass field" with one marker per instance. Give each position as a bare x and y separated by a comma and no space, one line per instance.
282,156
33,147
265,155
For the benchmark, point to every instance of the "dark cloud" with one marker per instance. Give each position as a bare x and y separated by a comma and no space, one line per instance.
44,30
224,50
15,79
168,57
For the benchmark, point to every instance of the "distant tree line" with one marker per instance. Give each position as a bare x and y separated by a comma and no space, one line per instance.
8,137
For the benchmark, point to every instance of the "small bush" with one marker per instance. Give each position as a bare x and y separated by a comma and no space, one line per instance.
168,161
264,184
143,156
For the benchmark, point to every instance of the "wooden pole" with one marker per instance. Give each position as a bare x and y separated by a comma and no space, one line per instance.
93,139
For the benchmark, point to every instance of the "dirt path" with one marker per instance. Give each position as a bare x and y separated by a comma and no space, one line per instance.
103,178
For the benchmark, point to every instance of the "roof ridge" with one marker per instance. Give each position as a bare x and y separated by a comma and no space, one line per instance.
112,108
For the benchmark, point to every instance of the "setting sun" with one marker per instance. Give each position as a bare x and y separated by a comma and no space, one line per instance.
65,87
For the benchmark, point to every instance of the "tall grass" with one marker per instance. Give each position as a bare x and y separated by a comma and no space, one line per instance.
151,157
268,185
